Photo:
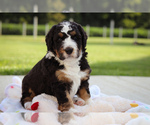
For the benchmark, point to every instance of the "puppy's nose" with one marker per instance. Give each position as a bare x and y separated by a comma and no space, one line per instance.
69,50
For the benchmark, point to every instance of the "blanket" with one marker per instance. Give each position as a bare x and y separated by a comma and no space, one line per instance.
102,110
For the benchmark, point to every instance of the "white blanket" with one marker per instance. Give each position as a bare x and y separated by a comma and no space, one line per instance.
102,110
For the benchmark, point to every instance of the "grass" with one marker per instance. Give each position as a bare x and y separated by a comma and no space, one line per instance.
19,54
121,58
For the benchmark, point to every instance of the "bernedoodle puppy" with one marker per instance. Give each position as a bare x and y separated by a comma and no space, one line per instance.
64,71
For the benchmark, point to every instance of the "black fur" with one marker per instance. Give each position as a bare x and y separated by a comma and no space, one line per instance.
42,78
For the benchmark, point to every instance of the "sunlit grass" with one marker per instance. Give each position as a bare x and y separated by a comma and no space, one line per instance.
19,54
121,58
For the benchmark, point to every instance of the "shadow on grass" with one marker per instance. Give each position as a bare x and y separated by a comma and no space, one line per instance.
18,71
138,67
117,43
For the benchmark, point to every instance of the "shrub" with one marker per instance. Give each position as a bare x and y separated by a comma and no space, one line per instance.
16,29
11,29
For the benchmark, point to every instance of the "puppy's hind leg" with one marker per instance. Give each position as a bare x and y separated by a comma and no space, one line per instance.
26,99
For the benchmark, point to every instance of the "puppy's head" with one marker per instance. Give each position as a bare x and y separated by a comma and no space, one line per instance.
66,40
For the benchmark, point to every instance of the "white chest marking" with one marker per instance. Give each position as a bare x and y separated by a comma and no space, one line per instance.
72,71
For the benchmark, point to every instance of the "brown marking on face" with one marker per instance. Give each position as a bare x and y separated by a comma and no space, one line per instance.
86,77
66,106
60,53
82,93
57,53
60,34
72,33
61,76
32,95
79,52
80,49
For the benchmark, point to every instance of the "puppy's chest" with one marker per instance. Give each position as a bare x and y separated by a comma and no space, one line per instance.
73,74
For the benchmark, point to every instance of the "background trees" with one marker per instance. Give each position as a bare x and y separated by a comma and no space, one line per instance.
126,20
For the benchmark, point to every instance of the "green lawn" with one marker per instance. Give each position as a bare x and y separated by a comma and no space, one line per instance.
19,54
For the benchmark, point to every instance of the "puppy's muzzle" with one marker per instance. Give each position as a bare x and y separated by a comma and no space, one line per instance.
69,50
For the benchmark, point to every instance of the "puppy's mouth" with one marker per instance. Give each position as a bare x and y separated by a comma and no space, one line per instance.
68,53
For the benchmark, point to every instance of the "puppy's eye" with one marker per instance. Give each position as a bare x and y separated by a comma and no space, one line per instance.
60,39
74,37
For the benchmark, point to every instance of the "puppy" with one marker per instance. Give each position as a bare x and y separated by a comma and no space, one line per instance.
64,71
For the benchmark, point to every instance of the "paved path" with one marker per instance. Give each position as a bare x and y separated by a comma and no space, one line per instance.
135,88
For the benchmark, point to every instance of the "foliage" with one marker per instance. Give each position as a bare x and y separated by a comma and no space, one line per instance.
16,29
126,20
128,23
55,18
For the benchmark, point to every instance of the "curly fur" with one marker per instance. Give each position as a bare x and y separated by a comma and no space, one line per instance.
60,73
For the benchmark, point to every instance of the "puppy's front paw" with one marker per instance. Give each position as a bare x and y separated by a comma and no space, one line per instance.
65,107
78,101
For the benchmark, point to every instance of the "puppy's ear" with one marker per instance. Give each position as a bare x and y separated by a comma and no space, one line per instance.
84,36
49,39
